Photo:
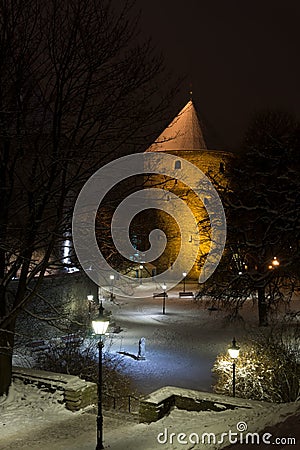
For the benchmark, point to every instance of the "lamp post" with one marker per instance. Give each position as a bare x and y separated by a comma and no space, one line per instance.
141,272
90,299
100,326
164,299
112,277
233,351
184,274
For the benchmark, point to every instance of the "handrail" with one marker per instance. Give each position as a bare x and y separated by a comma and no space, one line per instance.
122,397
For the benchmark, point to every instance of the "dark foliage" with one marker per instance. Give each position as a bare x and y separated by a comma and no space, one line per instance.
262,201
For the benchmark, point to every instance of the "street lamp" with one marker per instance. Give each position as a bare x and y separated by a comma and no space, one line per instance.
233,351
164,299
100,326
141,272
184,274
90,299
275,262
112,277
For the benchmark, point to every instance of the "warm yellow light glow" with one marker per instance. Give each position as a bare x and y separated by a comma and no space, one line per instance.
234,350
275,261
100,326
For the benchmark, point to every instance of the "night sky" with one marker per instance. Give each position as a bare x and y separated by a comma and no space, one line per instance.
241,56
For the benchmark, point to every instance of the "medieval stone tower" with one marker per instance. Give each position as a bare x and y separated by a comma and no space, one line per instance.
183,138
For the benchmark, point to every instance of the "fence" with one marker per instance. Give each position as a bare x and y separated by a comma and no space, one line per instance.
129,403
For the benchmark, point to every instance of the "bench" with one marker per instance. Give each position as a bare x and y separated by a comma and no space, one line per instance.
37,346
186,294
160,294
71,338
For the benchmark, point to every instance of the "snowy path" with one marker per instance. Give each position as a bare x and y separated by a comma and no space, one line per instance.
181,346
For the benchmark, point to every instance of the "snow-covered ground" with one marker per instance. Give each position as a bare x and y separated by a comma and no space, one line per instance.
181,347
31,419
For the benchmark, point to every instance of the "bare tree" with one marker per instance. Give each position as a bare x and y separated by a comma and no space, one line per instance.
263,212
77,88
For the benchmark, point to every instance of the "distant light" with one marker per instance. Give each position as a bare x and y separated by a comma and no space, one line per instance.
184,274
67,246
240,273
275,261
164,286
90,297
112,277
141,267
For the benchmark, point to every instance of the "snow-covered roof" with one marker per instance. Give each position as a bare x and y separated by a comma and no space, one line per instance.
184,133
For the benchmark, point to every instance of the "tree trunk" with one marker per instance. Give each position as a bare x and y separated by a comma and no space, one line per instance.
262,307
6,351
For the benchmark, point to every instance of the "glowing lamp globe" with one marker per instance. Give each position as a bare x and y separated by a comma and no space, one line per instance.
234,350
90,297
164,286
100,324
275,262
184,274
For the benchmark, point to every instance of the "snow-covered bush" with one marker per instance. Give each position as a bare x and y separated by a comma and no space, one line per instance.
268,368
80,357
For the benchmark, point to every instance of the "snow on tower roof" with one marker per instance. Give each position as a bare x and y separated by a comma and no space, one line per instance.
183,133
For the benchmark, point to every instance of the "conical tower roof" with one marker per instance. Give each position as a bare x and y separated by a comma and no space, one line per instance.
183,133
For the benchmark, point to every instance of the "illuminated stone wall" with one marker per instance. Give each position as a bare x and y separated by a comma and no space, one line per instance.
213,164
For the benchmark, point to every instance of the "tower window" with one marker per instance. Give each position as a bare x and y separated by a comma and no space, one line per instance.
222,167
177,164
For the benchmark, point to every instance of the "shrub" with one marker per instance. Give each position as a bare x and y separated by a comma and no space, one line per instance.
80,357
268,368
